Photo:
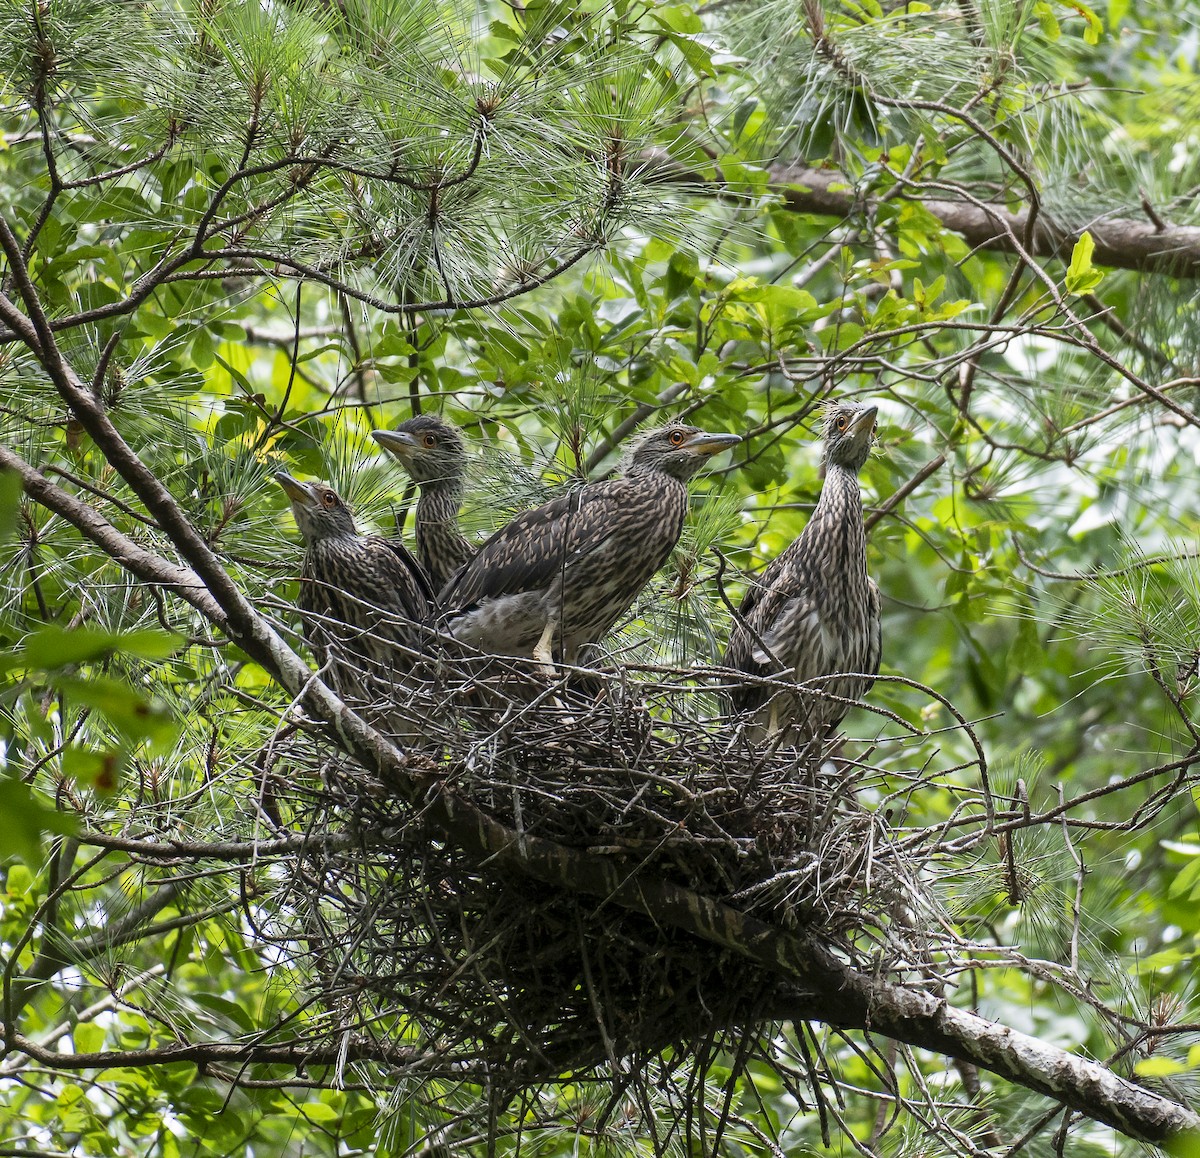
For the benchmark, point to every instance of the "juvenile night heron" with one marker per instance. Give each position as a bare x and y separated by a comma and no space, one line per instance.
814,612
435,456
362,596
559,576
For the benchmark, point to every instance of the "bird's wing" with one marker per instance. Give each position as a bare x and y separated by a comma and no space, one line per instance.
875,617
763,609
400,582
529,552
794,628
409,562
759,586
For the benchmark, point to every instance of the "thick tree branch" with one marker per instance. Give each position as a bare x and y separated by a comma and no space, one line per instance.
1121,243
236,615
840,995
147,566
822,987
825,987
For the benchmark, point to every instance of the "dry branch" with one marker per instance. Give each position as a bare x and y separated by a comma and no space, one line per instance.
1121,243
812,982
441,802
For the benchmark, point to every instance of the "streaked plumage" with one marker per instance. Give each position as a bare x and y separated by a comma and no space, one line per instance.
435,456
814,611
560,576
362,596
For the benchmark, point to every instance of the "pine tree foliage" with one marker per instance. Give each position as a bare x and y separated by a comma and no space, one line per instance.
238,237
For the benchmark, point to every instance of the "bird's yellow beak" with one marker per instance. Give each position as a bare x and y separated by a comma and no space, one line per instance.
706,444
295,490
398,442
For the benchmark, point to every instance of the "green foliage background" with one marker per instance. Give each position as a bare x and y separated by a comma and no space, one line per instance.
271,228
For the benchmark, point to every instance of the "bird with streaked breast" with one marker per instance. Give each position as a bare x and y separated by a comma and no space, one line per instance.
814,612
362,597
559,576
434,454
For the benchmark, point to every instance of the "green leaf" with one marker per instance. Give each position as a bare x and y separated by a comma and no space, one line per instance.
10,502
1186,882
54,647
26,821
745,290
88,1037
1082,278
127,709
1026,653
1047,20
1186,1145
231,1010
1159,1067
1093,27
100,770
678,18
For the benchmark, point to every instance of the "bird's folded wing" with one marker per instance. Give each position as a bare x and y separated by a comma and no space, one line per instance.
758,587
537,545
395,579
874,618
793,628
409,562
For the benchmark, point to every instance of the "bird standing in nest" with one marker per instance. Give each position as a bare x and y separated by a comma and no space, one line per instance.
559,576
435,456
815,612
362,596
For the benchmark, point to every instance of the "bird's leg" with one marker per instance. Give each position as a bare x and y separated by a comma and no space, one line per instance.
543,650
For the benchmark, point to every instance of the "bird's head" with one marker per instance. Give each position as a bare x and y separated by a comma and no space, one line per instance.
319,510
431,449
849,433
677,450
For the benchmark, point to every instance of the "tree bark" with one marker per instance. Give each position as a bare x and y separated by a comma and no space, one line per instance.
825,988
1121,243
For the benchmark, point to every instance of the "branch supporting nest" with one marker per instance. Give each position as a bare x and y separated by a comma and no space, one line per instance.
640,882
408,929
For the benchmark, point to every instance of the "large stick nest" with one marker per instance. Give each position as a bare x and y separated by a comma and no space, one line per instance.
491,972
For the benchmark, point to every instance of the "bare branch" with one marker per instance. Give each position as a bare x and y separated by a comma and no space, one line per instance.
1121,243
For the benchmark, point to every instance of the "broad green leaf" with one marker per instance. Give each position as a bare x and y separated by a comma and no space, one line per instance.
10,502
26,821
55,647
88,1037
1082,278
1047,19
1159,1067
100,770
127,709
1186,882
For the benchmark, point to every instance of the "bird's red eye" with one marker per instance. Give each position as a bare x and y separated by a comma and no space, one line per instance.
329,499
676,437
429,441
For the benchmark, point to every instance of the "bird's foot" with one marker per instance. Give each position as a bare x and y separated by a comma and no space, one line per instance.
543,651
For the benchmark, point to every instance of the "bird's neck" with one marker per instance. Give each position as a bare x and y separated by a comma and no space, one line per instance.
439,503
333,546
333,537
839,517
660,477
441,546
